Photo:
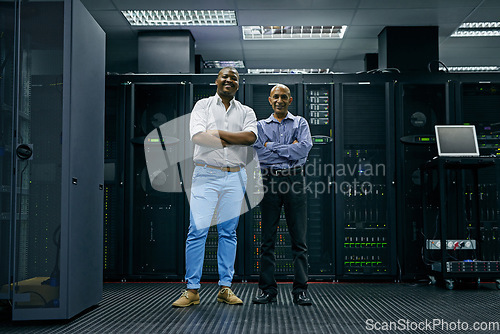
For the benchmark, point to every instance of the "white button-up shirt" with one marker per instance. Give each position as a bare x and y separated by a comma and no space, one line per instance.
211,114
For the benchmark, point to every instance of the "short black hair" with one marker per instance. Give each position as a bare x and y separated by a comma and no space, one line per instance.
232,69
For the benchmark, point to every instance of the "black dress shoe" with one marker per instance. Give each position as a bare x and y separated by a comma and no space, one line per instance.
264,298
301,298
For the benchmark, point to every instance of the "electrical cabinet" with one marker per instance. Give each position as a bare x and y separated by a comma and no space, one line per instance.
52,111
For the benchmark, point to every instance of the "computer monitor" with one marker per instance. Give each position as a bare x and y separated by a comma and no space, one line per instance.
456,141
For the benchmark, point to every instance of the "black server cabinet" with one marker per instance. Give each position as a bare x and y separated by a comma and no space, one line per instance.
7,99
114,200
480,106
364,151
320,171
315,103
257,90
155,218
52,179
419,107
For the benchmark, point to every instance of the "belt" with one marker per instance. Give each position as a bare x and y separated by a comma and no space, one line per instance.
285,172
224,169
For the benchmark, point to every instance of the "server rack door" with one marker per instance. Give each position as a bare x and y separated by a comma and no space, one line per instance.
256,96
479,105
364,174
114,151
420,106
49,224
38,126
7,112
156,218
320,171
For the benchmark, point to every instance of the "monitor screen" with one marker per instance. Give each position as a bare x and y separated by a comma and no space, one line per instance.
456,140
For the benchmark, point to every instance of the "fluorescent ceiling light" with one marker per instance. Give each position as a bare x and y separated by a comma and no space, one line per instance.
224,63
180,17
477,29
293,32
291,71
472,68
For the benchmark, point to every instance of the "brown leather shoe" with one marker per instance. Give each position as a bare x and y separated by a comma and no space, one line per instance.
226,295
187,298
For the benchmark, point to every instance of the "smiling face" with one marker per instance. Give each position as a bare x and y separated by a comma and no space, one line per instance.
227,82
280,99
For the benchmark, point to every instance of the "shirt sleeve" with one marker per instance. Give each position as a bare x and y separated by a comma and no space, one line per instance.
299,150
250,122
266,155
198,121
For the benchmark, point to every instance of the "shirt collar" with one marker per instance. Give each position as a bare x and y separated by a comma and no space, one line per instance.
219,100
271,118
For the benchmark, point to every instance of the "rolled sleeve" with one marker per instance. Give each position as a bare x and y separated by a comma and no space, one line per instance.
198,122
250,122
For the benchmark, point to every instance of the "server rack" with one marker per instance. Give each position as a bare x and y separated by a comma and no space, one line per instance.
364,151
420,105
320,174
257,90
479,103
155,218
7,111
315,103
368,126
53,200
114,198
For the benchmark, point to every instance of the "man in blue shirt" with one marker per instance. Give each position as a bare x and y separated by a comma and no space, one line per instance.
283,144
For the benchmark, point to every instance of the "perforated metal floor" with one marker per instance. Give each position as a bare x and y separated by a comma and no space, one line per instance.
338,308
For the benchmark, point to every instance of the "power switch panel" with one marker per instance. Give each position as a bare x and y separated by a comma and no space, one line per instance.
452,244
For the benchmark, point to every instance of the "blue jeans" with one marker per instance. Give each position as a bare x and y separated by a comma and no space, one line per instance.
211,190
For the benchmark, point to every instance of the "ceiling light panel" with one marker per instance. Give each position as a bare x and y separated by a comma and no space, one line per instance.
224,63
478,29
291,71
471,68
293,32
180,17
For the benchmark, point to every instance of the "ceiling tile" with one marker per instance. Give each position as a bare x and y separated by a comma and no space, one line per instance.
110,18
365,20
361,43
98,5
298,4
418,4
294,17
409,17
174,4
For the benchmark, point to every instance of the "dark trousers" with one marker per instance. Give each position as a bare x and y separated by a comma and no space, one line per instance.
290,192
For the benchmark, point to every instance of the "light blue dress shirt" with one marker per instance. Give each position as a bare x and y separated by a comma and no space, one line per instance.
280,153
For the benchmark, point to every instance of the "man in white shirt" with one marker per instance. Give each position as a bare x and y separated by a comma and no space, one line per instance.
220,128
